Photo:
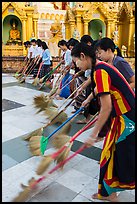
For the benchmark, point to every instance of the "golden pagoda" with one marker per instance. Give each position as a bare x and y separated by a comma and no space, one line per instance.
115,20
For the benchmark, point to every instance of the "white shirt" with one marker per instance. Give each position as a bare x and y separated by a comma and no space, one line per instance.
38,51
68,58
33,49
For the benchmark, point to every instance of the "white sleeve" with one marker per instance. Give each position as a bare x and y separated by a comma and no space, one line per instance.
68,58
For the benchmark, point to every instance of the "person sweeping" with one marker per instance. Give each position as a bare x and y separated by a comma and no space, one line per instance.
117,102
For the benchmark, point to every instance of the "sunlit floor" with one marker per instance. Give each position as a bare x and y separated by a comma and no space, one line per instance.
79,178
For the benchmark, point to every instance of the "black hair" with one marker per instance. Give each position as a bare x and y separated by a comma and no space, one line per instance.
39,42
106,43
33,40
72,42
62,42
86,39
88,51
26,43
44,45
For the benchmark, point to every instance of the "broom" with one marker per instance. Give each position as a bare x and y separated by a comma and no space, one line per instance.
36,80
43,141
25,69
41,102
60,140
20,70
24,195
64,144
53,119
25,75
47,76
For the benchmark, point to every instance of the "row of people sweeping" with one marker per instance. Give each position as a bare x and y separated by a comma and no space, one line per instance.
114,99
38,53
111,83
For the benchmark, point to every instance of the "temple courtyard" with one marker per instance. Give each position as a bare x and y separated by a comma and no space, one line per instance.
79,178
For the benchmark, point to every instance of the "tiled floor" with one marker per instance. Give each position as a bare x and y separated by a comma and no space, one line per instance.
79,178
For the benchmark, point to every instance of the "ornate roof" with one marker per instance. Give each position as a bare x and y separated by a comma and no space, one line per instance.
18,8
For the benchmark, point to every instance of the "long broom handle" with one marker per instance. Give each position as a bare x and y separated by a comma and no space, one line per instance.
59,165
90,123
39,69
56,130
68,158
52,71
59,112
72,94
29,64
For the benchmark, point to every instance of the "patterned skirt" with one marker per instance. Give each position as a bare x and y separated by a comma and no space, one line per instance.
117,162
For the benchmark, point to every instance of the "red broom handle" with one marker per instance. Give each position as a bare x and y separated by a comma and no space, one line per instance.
63,148
39,69
60,164
54,155
67,159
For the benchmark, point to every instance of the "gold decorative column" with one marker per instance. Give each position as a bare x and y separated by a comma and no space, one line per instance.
109,30
72,25
29,14
78,22
67,31
86,21
24,35
35,28
130,38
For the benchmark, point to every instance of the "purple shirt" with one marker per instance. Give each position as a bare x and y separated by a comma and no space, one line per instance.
123,66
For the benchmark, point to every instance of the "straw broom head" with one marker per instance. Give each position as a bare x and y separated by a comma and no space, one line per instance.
63,155
52,112
22,80
44,164
34,145
65,129
40,102
36,81
17,76
35,132
51,103
24,195
60,140
41,80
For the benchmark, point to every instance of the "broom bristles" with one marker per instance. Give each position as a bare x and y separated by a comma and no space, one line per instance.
34,145
36,81
60,140
22,80
25,193
36,132
44,164
63,155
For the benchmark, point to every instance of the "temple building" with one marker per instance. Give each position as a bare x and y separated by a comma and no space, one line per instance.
51,21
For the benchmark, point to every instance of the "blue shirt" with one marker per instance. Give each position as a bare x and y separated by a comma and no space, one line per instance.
123,66
46,57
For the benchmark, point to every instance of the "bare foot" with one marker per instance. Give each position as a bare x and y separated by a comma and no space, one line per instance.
98,139
112,198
